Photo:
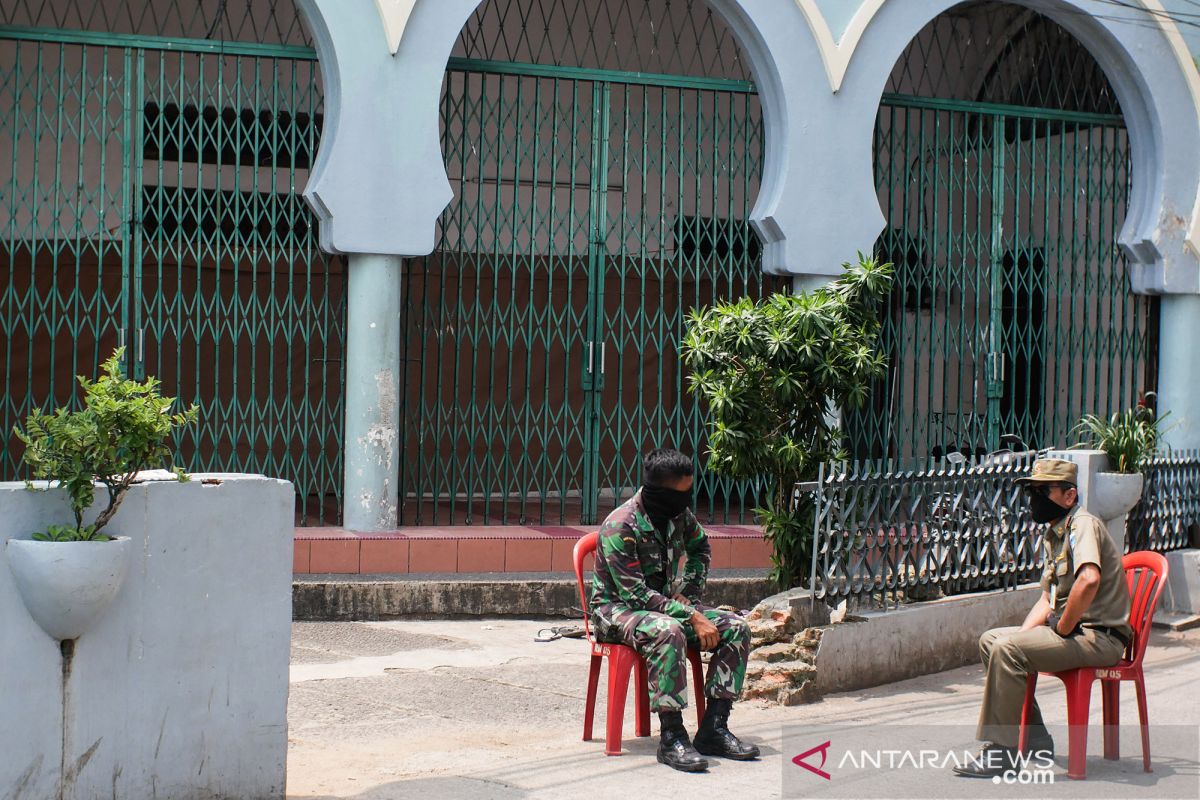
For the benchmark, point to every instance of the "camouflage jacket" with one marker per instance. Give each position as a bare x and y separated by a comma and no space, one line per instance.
638,566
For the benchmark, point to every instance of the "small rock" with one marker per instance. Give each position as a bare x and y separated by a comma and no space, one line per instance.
781,651
768,631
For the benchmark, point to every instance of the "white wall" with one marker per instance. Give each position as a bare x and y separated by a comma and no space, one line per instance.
180,689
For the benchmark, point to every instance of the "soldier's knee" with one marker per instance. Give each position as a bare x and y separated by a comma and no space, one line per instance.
670,633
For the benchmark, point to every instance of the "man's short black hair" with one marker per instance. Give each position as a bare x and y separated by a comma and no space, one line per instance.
664,465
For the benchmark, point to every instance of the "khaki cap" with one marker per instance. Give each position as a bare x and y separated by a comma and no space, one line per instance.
1052,470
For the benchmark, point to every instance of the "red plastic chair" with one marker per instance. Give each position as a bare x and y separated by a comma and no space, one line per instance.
622,659
1146,574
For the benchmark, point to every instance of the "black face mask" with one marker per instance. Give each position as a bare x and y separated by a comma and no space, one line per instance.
1043,509
663,504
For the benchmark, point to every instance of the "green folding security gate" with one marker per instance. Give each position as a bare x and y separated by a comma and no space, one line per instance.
152,200
1011,313
592,209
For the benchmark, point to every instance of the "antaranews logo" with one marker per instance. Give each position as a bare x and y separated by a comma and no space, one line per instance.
1021,769
823,749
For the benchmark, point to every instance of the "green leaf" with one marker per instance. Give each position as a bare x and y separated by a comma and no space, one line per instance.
124,426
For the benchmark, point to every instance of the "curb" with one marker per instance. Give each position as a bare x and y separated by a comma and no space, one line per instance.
342,598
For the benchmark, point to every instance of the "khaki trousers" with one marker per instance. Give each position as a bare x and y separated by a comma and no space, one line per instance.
1010,654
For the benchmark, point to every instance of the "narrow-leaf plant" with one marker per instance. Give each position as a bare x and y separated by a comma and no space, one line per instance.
1128,438
124,427
773,375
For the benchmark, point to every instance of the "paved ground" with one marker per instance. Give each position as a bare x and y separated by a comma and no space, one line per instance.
476,709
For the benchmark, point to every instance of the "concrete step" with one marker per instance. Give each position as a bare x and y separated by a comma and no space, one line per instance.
336,597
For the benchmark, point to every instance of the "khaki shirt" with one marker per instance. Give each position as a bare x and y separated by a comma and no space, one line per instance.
1069,544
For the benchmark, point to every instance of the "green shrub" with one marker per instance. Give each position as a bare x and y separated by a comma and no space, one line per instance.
125,426
773,375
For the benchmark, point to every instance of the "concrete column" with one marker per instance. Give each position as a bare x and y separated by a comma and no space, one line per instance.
810,283
1179,369
372,392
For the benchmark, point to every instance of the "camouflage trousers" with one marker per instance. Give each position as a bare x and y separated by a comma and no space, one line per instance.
663,642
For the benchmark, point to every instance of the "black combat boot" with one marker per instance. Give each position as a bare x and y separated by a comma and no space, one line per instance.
675,748
714,738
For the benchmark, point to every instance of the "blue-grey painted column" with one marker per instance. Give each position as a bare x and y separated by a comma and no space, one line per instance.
372,392
1179,368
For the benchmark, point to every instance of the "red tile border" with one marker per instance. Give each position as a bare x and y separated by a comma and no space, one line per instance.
524,555
721,549
481,555
432,555
334,556
562,555
468,549
383,556
300,556
749,553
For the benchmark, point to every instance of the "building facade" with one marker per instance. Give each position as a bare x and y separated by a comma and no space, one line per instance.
431,259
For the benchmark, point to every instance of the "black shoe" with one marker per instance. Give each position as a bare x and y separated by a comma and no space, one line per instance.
993,760
714,738
674,747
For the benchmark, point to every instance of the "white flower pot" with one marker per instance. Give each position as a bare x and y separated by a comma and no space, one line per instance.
1113,494
67,585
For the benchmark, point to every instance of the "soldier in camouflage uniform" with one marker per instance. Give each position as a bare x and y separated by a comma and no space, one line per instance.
640,598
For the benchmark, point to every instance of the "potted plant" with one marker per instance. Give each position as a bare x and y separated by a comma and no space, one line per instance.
1127,438
68,574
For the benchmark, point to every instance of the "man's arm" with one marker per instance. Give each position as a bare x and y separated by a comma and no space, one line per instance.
1085,553
618,549
1083,591
1038,614
699,556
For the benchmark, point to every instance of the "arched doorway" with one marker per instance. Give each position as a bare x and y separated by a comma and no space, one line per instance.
153,199
1003,166
604,157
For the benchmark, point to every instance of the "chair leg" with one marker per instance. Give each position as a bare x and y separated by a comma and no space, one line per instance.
1079,699
643,699
1110,695
1023,735
697,683
589,710
619,667
1140,685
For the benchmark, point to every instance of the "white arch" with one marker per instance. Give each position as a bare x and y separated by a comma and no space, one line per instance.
838,54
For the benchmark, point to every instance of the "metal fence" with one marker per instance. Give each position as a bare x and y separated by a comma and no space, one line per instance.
1170,503
883,536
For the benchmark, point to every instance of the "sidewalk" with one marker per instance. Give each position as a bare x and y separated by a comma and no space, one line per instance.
476,709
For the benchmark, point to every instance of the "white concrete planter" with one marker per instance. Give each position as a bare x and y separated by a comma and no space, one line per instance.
1113,494
67,585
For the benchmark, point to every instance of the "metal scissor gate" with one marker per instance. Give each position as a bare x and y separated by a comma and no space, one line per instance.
1003,167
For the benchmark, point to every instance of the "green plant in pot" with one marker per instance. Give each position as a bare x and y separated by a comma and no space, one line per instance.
1128,438
67,574
772,375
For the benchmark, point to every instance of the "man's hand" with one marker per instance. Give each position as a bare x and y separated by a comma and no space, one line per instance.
1038,614
1054,621
706,632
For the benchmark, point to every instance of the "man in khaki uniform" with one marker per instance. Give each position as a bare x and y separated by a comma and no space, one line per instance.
1081,619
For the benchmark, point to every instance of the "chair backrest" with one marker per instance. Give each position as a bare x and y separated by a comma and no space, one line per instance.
1146,575
583,548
